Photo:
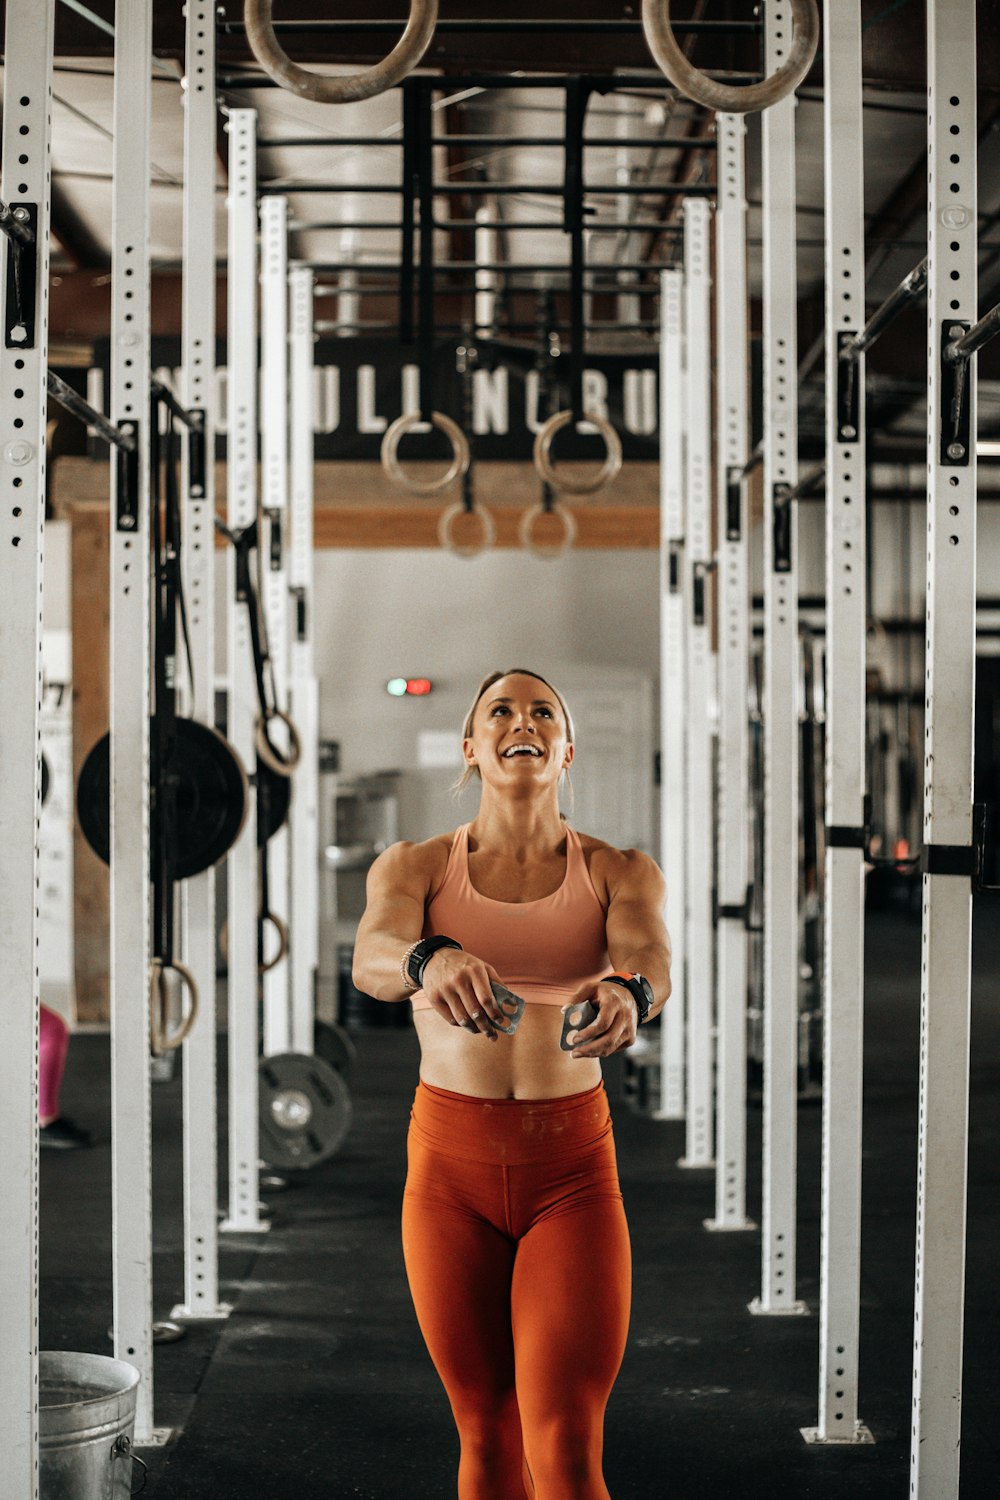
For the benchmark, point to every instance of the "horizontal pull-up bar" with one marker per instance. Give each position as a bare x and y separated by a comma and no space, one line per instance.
13,224
536,226
504,26
78,407
979,334
912,284
330,266
658,143
501,189
606,83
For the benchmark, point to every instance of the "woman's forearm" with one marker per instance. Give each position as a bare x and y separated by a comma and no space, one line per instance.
377,969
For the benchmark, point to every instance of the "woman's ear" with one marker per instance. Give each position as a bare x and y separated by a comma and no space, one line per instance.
468,752
568,757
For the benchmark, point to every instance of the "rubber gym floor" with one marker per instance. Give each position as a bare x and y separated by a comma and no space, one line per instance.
319,1385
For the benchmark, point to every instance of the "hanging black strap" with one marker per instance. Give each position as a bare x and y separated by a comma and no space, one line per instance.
577,93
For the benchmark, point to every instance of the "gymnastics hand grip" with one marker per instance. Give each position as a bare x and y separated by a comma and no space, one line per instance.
511,1007
574,1019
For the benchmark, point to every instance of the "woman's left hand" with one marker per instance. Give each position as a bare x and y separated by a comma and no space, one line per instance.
613,1028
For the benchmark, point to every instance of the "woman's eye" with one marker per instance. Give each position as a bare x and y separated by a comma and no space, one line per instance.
546,711
500,709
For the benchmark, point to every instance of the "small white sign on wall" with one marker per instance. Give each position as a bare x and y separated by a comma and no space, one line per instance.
438,748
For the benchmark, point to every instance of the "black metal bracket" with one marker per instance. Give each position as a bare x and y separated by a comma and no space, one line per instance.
196,453
22,280
734,504
782,529
739,913
274,540
127,488
674,567
848,394
950,859
300,613
846,836
956,438
699,574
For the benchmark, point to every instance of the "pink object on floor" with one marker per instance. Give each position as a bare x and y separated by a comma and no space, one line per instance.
53,1041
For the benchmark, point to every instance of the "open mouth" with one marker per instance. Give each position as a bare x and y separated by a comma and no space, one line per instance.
526,751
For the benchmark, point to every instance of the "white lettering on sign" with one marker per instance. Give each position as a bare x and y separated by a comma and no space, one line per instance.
326,398
368,418
411,396
490,402
639,402
531,389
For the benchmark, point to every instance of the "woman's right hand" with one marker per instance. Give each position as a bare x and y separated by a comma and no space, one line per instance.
458,986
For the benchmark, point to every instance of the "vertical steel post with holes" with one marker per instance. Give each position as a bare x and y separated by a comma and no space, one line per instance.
780,707
241,511
700,702
673,625
201,1241
24,188
942,1167
733,593
274,478
304,890
130,676
844,915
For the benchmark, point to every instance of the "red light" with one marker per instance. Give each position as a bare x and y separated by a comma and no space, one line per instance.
417,687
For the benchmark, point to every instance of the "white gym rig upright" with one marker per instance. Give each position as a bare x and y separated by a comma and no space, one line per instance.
304,707
700,701
733,602
844,910
780,707
673,625
942,1167
273,544
25,181
241,511
201,1241
130,676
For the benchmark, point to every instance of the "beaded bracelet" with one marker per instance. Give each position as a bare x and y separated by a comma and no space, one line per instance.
406,959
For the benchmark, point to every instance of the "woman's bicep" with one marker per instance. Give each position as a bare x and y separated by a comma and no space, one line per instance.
396,894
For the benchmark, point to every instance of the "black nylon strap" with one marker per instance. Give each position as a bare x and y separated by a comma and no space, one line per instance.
421,954
845,836
950,859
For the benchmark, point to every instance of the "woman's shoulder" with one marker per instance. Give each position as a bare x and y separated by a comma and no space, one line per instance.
611,867
423,862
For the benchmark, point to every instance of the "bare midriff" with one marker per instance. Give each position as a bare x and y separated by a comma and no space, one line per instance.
528,1065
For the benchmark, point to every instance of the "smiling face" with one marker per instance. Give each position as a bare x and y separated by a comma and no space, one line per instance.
520,738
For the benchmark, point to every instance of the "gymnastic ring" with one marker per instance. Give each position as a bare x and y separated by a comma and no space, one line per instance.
323,88
281,928
446,524
526,526
604,475
281,765
456,469
724,97
159,1041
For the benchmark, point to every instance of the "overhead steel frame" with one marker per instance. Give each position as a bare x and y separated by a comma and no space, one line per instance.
733,594
24,188
241,512
844,908
131,1137
673,675
273,553
700,701
304,884
948,859
781,672
201,1236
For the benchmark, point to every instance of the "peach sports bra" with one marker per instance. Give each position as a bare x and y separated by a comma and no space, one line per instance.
544,949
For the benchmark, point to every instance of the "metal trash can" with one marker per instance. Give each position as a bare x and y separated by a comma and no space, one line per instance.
86,1419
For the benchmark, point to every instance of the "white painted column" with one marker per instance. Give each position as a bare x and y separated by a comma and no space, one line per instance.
201,1187
241,511
305,852
731,844
780,706
945,999
673,626
700,700
844,913
24,182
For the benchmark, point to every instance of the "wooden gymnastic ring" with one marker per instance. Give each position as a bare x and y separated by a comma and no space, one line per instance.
323,88
159,1041
281,765
446,523
456,469
526,527
281,928
604,475
725,97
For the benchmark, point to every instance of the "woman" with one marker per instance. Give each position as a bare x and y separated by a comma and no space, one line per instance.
514,1234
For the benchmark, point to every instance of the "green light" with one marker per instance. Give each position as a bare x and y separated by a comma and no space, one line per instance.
396,686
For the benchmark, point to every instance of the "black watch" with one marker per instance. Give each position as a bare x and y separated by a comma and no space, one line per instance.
638,987
421,953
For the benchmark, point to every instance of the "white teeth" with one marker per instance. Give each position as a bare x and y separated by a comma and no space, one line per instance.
521,750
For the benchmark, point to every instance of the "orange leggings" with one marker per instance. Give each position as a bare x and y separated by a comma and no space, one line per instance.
518,1258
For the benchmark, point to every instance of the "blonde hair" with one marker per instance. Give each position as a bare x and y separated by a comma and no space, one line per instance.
487,682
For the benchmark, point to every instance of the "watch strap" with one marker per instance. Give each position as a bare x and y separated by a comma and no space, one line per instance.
421,953
636,987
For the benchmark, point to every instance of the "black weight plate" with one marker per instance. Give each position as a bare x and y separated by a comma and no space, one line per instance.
304,1110
274,795
46,779
211,790
332,1043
